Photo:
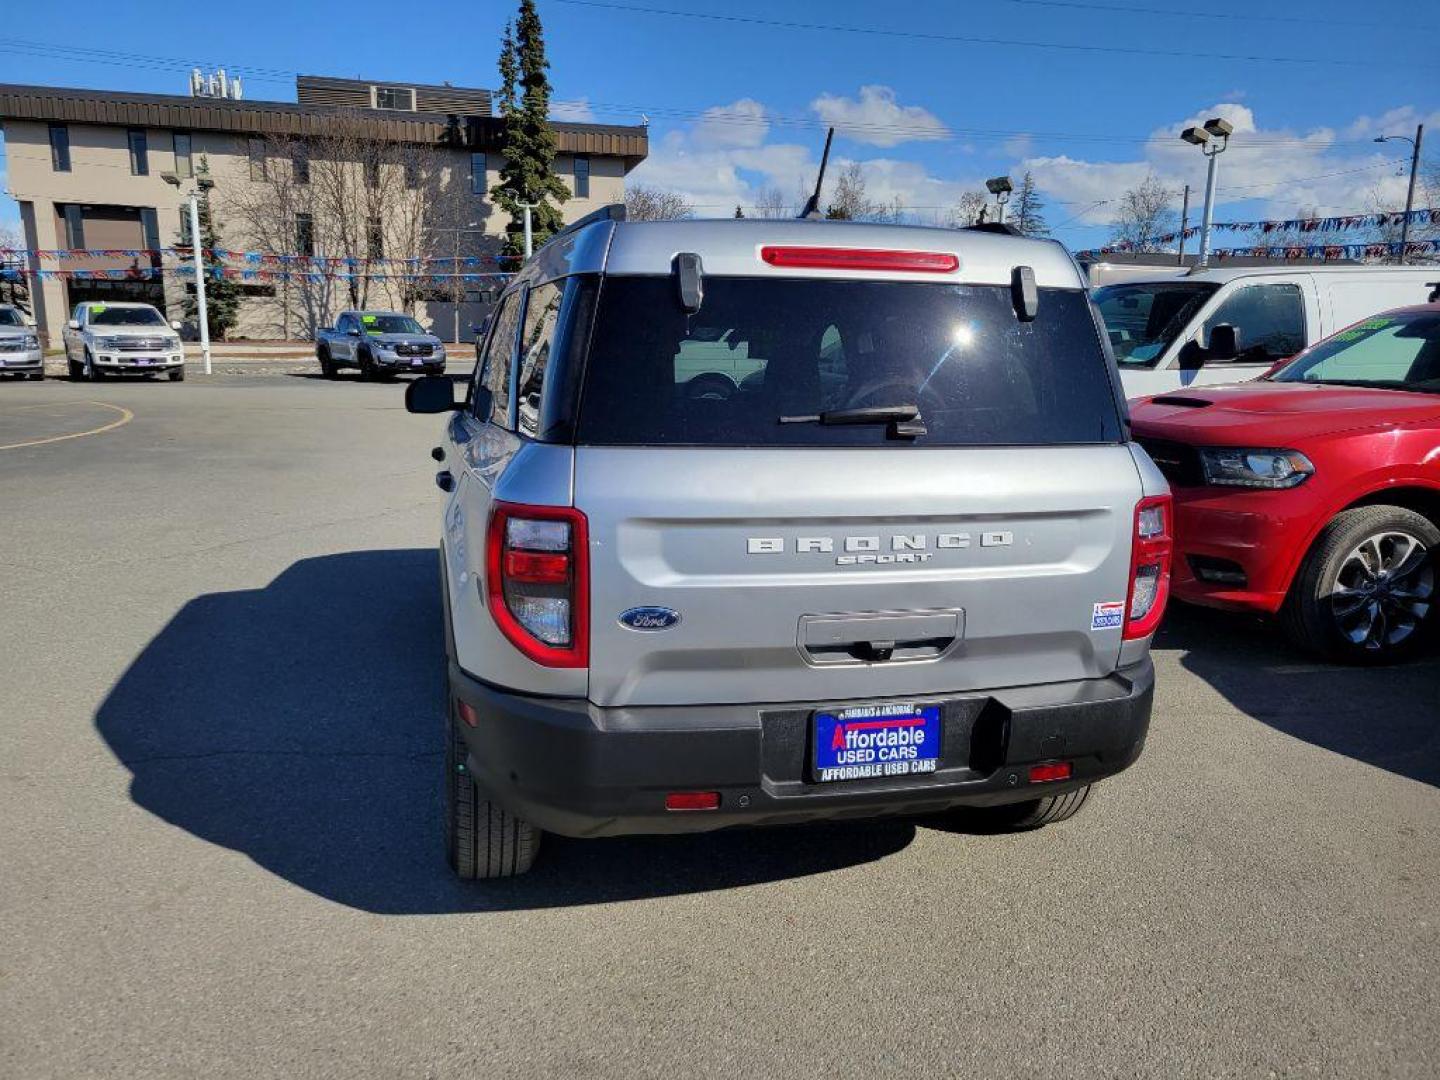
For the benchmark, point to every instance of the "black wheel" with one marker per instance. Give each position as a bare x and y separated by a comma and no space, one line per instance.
709,387
77,371
178,375
482,840
92,369
38,376
1366,593
367,366
327,366
1033,813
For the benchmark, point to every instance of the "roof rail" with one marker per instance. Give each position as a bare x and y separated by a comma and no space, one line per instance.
994,227
613,212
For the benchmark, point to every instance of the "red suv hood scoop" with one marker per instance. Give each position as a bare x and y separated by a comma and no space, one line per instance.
1183,402
1277,414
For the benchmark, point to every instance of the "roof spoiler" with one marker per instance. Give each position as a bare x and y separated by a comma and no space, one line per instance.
613,212
994,227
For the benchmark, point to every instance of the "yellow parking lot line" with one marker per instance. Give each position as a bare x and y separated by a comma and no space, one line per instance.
125,417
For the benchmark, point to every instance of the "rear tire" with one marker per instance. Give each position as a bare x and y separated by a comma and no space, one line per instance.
482,840
1035,813
1350,605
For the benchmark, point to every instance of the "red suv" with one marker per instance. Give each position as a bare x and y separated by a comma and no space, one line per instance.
1314,492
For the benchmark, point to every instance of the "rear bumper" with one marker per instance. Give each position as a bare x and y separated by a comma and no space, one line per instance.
576,769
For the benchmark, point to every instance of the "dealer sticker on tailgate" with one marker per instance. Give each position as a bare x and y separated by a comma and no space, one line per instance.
895,739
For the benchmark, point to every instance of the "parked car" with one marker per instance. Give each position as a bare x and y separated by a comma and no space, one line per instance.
909,561
1161,329
20,352
1314,493
122,339
380,344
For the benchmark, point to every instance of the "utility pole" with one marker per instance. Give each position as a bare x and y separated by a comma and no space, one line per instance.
197,243
1184,224
1410,195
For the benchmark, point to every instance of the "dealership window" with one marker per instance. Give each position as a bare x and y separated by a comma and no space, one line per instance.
300,164
395,97
372,174
183,166
477,174
582,177
412,173
375,246
255,150
60,147
139,153
304,234
74,227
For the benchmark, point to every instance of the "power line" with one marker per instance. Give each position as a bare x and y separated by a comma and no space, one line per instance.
140,60
964,39
1186,14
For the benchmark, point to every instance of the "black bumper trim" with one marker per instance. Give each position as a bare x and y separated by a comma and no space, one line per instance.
577,769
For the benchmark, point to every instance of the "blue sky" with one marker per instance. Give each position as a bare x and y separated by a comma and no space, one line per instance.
1088,95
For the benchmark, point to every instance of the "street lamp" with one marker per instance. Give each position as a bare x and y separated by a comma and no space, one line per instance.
1212,139
202,183
1000,187
1409,195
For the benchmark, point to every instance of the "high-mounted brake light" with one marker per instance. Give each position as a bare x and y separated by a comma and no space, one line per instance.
829,258
537,581
1150,554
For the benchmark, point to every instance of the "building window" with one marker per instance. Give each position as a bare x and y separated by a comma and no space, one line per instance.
412,173
477,174
74,227
300,165
150,226
60,147
185,240
304,234
183,165
255,148
395,97
375,246
139,153
582,177
372,174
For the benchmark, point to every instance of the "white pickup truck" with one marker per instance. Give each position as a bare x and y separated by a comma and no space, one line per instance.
19,345
122,339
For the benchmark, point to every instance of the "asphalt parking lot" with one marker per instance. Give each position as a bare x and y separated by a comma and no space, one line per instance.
220,743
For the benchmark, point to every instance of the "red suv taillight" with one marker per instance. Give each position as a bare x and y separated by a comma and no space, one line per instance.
1149,566
537,581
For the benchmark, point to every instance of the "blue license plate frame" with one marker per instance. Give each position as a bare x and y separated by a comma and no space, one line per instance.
885,740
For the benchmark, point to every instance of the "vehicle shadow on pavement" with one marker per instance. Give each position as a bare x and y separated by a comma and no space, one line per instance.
1388,717
301,724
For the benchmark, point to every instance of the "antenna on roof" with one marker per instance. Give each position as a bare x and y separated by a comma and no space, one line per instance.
812,205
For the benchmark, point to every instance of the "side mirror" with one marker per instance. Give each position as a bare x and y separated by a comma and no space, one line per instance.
1224,342
353,331
430,394
174,324
73,324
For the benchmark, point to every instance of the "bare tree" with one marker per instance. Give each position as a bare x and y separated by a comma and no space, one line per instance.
850,201
771,204
967,210
644,203
1143,214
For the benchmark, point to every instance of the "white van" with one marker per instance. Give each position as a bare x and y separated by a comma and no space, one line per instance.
1162,328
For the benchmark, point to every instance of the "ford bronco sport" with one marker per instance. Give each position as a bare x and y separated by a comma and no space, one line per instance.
761,522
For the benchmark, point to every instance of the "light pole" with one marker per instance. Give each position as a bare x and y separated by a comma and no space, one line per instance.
1000,187
527,207
1409,195
1219,131
202,183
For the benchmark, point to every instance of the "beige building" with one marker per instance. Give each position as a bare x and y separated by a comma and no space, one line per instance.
362,175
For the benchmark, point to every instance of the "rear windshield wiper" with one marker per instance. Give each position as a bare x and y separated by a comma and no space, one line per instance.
876,414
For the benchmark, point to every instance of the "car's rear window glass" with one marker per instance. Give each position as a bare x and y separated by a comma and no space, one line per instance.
760,349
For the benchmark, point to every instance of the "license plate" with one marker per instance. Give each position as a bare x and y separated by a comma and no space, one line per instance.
898,739
417,363
143,362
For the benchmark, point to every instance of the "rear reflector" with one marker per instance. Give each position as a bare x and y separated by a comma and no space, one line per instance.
825,258
692,800
467,712
1055,770
537,568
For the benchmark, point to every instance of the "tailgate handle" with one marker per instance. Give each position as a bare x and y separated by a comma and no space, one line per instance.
879,637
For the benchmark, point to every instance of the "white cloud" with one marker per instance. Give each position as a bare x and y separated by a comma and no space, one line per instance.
576,112
741,123
875,118
1019,146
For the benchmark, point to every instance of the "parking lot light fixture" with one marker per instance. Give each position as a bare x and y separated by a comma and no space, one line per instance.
1212,138
202,315
1415,144
1000,187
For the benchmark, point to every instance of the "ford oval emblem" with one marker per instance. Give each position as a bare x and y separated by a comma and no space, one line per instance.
649,618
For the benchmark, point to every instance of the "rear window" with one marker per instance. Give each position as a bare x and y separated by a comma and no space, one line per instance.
762,349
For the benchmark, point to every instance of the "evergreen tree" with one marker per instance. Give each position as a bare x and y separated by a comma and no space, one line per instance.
529,141
222,296
1026,209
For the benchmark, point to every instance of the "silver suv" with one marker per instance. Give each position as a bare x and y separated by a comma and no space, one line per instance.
761,522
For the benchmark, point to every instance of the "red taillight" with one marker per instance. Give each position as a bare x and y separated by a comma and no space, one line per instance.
1054,770
537,581
1150,554
692,800
828,258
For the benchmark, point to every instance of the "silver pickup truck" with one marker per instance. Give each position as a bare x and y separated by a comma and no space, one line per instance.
380,344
